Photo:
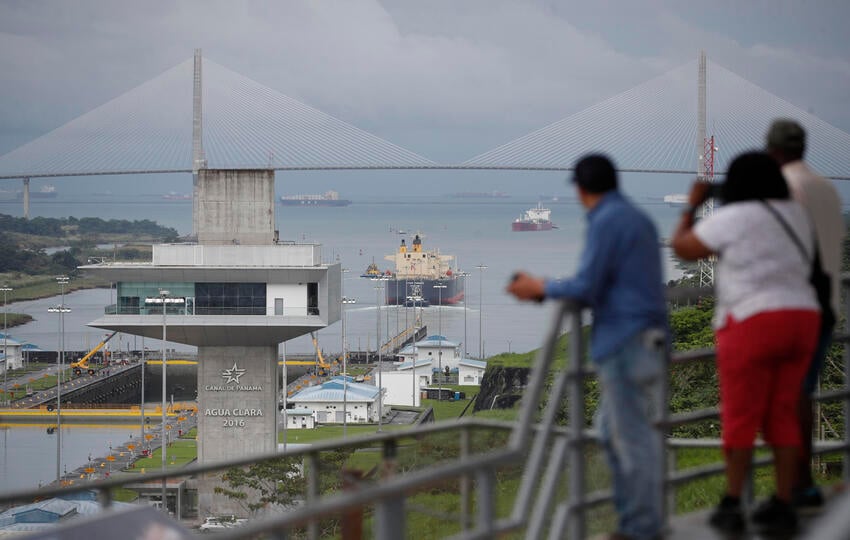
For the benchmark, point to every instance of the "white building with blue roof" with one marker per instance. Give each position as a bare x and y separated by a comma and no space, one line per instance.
328,399
48,513
11,349
439,350
471,371
299,418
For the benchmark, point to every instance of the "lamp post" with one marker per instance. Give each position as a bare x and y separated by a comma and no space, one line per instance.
142,398
481,268
417,286
440,332
163,300
463,275
6,289
378,288
343,301
61,310
284,382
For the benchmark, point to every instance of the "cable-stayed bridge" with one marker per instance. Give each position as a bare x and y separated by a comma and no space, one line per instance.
649,128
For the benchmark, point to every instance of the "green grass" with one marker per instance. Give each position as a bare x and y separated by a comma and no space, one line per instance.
124,495
40,383
28,287
330,432
180,453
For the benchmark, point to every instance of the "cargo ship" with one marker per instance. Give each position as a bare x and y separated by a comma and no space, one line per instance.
480,195
534,219
422,278
328,198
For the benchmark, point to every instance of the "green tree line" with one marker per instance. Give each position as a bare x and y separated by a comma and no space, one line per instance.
17,255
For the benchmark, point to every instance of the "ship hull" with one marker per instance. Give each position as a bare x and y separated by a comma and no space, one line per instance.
531,226
452,294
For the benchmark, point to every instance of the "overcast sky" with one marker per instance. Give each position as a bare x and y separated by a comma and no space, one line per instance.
445,78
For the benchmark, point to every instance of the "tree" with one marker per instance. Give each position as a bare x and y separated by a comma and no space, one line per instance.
276,482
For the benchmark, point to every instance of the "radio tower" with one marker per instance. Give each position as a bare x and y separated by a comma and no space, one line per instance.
705,152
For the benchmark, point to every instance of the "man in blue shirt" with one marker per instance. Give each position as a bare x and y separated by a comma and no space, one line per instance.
620,279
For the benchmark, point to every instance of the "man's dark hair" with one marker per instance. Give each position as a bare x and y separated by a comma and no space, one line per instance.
753,176
595,174
788,138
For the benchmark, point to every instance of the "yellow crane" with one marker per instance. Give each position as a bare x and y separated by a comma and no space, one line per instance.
83,363
322,367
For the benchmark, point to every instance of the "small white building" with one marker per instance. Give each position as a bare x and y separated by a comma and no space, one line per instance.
329,399
404,385
470,372
299,418
12,351
440,351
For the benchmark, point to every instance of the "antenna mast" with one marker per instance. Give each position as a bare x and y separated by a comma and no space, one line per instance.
705,167
198,160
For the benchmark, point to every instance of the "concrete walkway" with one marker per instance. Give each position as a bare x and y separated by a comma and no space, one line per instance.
123,457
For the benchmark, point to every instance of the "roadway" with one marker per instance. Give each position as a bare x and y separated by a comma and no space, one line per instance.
43,397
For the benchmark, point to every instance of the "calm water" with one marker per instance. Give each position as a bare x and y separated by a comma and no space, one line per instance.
476,233
28,453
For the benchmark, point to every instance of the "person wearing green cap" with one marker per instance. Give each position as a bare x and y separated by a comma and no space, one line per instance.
786,143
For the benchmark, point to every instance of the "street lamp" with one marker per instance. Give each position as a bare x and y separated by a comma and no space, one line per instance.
480,267
417,286
142,399
61,310
378,288
463,275
343,301
6,289
163,300
440,332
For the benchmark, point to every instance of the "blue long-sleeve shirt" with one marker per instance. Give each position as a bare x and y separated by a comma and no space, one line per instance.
619,275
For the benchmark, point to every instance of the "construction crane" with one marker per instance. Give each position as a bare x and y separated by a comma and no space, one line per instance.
83,363
322,367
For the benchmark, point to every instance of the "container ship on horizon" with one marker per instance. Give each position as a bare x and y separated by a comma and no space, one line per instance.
534,219
416,273
480,195
47,191
328,198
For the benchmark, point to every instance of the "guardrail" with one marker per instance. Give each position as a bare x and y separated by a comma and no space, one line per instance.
542,454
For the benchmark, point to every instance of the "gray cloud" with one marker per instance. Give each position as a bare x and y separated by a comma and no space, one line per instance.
445,78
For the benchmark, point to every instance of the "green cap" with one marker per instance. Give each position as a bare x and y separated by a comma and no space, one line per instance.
785,134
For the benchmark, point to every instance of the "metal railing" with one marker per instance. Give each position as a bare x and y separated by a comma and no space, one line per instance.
551,459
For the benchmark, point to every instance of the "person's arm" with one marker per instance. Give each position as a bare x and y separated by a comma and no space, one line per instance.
684,242
526,287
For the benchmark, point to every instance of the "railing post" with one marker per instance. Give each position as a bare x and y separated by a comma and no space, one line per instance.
846,329
352,520
313,492
486,480
464,480
389,512
575,408
668,459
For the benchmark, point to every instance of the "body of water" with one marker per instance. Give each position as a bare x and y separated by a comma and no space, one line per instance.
28,453
477,233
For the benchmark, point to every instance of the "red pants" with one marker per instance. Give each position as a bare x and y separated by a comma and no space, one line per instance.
762,361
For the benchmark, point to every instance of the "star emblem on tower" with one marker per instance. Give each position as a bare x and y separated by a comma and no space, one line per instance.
232,375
